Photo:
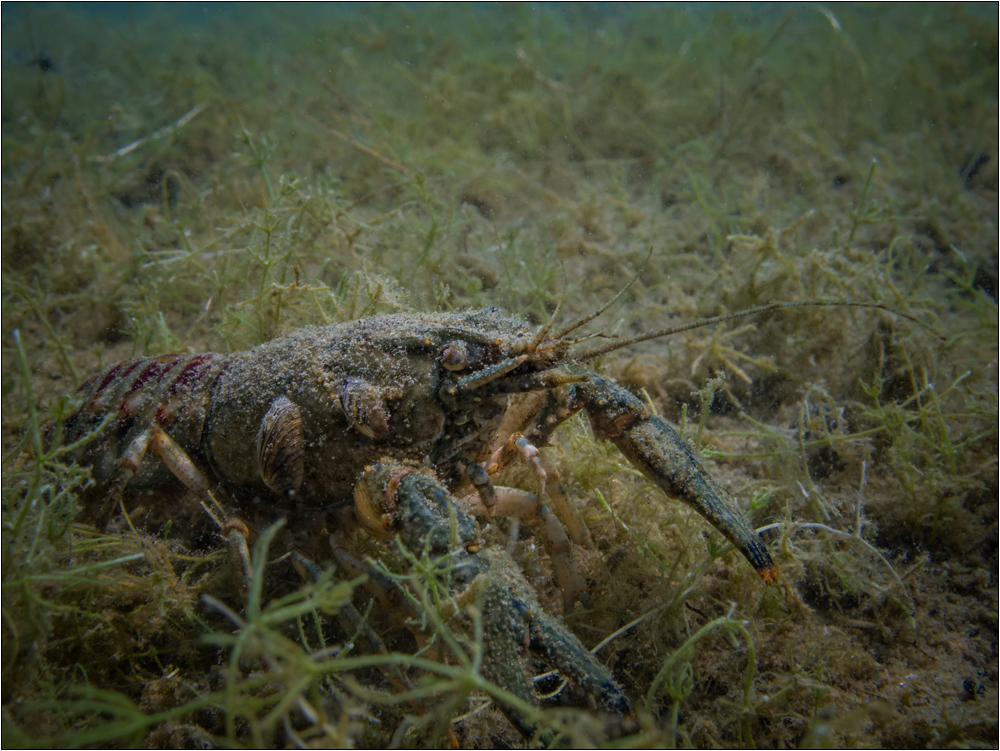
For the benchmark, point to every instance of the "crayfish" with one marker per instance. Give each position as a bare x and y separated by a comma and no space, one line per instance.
406,419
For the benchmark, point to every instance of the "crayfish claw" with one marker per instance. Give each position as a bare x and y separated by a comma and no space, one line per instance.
663,456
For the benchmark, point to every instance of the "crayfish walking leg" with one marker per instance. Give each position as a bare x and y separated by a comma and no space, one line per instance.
154,439
519,504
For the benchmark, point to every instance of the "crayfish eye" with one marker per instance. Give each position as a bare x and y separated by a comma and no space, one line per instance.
453,356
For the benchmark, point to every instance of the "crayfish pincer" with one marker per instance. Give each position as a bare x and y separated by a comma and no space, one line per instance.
431,521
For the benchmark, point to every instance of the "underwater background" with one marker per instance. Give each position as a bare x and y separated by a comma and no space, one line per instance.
193,178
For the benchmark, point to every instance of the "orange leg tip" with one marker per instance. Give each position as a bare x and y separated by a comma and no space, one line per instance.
769,574
235,525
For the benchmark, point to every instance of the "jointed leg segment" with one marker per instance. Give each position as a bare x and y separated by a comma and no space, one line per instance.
520,505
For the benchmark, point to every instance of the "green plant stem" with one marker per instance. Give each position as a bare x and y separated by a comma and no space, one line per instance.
861,205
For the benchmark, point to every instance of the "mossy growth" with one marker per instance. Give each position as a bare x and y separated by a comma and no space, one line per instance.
208,182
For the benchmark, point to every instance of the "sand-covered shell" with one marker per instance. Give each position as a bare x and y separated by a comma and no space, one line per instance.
453,356
375,497
371,510
364,405
280,448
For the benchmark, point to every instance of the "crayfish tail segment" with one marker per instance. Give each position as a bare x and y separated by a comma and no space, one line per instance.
662,455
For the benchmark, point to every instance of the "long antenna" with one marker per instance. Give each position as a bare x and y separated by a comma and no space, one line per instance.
587,319
597,351
544,331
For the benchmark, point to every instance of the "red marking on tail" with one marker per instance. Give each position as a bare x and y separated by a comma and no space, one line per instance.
193,371
157,368
121,370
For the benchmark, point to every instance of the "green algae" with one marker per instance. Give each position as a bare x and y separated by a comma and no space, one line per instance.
205,184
